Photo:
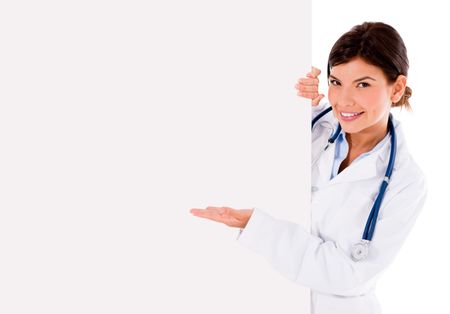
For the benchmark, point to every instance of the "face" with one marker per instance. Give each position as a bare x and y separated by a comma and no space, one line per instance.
361,97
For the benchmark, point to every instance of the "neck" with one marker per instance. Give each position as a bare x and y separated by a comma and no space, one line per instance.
367,139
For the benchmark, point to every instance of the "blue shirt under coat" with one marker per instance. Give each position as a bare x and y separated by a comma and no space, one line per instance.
341,151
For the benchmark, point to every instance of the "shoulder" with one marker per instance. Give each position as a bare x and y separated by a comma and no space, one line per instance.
328,118
326,124
408,184
406,169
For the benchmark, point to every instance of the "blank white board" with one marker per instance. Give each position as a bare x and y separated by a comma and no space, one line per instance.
117,117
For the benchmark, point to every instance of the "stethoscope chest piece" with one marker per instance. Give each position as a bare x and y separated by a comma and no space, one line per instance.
360,250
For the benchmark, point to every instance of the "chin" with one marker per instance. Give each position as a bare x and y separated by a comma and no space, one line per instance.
352,128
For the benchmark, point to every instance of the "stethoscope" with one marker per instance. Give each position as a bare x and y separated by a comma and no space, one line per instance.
360,250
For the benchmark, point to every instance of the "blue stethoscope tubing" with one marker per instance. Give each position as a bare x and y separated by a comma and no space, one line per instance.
360,250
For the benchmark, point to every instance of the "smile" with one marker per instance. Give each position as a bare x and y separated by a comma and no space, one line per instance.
350,116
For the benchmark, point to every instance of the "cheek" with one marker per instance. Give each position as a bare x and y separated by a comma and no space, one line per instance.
373,95
331,96
374,100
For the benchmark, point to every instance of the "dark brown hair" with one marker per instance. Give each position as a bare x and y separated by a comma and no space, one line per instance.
378,44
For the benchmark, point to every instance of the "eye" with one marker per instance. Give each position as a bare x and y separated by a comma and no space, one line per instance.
365,84
332,82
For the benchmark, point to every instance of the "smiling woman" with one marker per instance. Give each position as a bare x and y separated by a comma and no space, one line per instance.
367,76
362,105
367,79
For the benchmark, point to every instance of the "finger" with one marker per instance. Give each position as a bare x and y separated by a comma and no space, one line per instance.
316,100
308,88
221,210
212,211
315,72
309,95
209,209
212,214
308,81
219,215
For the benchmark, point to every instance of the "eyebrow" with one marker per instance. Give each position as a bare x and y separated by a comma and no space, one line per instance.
357,80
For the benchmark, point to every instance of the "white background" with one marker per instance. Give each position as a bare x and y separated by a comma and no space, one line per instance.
116,118
417,280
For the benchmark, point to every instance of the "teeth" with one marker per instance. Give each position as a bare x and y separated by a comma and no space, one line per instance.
345,114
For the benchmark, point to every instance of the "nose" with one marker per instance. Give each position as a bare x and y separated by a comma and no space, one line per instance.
345,98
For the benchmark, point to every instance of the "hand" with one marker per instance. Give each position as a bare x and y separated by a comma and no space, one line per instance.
237,218
308,87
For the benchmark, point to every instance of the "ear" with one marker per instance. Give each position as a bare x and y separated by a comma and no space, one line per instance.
398,89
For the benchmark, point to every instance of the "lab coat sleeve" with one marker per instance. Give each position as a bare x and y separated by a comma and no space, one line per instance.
325,266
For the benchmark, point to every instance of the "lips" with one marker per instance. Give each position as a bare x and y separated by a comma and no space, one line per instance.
350,116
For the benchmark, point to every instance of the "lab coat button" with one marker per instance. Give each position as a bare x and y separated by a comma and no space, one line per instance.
314,189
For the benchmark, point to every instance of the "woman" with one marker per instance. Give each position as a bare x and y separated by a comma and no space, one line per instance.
367,76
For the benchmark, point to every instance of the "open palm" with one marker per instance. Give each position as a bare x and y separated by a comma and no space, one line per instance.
231,217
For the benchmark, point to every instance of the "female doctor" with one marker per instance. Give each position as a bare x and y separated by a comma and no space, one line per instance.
367,190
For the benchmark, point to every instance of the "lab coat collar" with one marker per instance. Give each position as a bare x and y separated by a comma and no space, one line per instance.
368,167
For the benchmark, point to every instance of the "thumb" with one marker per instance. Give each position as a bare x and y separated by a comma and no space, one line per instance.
317,100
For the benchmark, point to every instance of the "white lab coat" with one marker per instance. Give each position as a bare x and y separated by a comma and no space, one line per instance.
321,258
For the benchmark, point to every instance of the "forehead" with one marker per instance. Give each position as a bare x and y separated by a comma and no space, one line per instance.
355,68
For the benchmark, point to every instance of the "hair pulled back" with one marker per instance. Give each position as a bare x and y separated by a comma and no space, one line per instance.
378,44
